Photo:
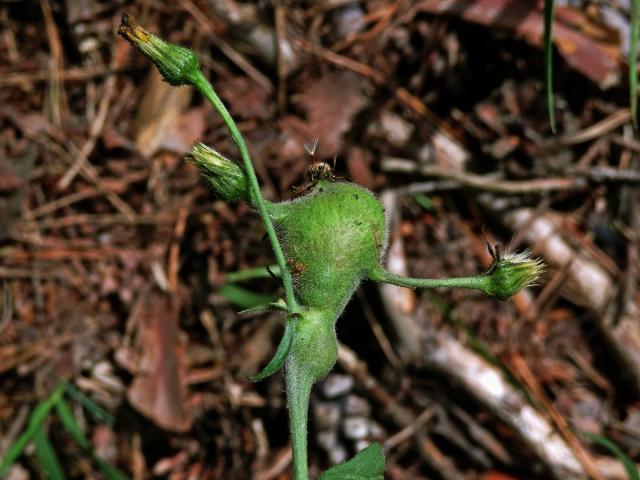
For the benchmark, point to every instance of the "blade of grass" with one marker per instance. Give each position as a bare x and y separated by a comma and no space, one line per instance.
251,273
244,298
46,455
627,463
108,470
549,8
633,60
94,409
71,426
38,416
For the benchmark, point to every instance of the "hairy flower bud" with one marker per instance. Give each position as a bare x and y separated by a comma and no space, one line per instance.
511,273
178,65
227,178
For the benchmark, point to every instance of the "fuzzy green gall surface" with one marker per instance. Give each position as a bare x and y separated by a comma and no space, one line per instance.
332,238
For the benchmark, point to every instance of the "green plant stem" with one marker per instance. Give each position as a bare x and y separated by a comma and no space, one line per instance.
479,282
202,84
299,385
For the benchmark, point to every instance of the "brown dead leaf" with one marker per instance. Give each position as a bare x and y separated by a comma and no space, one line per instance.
158,391
330,104
158,114
246,99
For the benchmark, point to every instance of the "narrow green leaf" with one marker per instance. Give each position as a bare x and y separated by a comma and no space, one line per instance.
70,425
36,419
424,201
46,455
281,353
100,414
244,298
549,8
108,470
633,60
252,273
368,464
627,463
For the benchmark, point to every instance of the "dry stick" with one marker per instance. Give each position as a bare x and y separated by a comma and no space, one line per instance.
98,124
55,140
56,87
72,74
90,192
400,415
378,332
232,54
281,30
524,374
596,130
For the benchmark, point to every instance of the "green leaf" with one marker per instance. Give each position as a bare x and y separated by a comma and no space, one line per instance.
627,463
424,201
100,414
108,470
281,353
252,273
368,464
38,416
633,60
72,427
244,298
46,455
549,7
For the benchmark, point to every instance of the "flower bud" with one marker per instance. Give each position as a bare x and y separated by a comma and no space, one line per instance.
226,177
511,273
178,65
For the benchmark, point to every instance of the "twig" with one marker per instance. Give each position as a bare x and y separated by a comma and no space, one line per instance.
98,124
596,130
403,435
232,54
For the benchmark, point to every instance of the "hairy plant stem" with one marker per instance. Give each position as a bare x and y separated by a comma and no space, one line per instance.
298,391
479,282
202,84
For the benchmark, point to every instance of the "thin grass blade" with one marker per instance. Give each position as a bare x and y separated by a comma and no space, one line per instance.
549,10
627,463
70,425
38,416
244,298
46,455
100,414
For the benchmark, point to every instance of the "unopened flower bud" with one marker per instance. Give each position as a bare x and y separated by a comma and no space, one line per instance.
226,177
511,273
178,65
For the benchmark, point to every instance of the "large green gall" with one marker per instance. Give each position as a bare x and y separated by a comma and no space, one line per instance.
332,237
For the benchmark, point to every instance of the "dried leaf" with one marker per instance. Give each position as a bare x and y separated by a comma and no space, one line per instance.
158,390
